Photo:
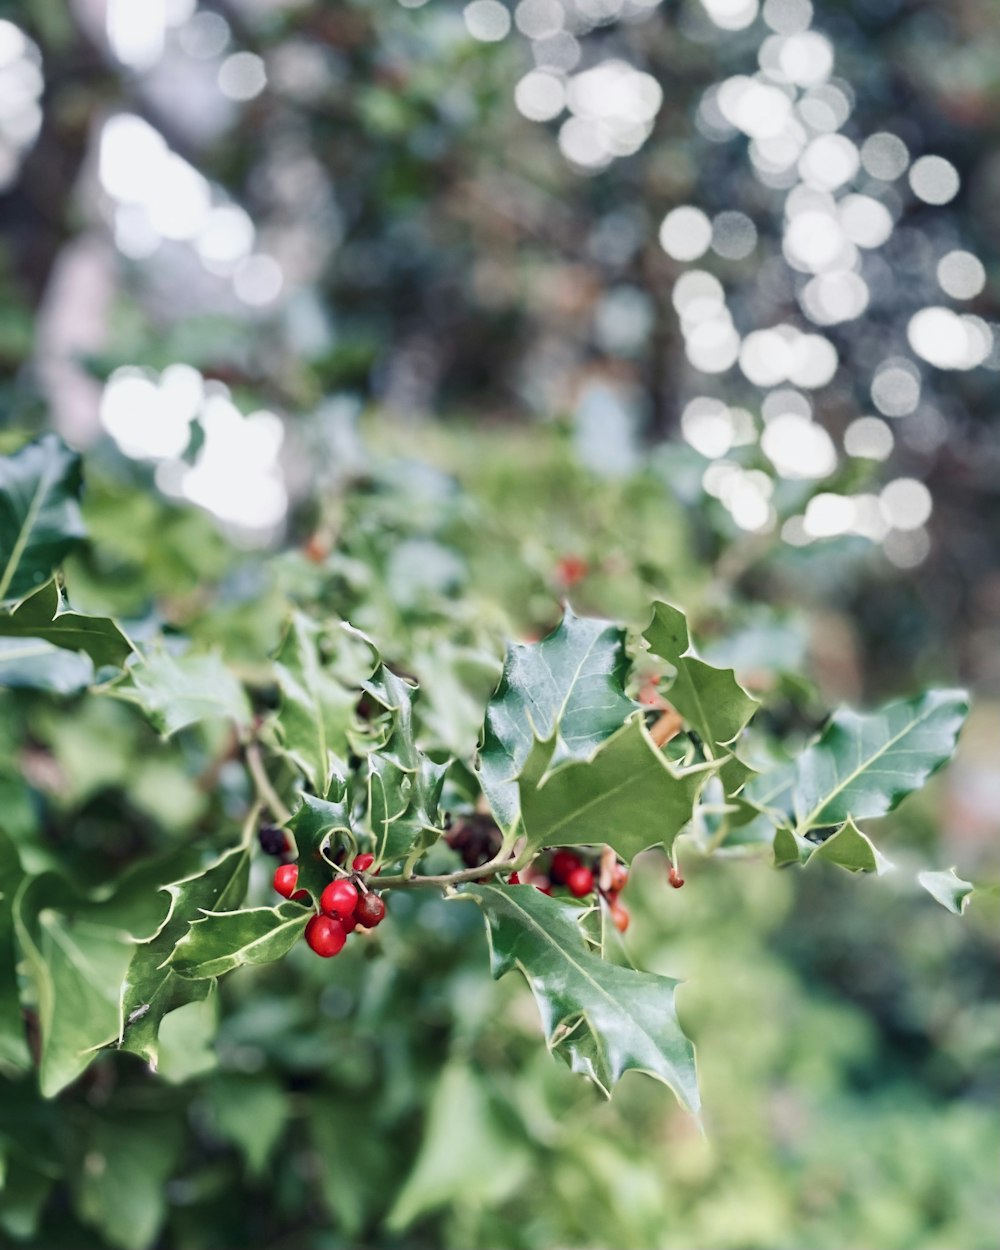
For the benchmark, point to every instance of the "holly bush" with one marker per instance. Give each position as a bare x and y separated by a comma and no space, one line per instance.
269,821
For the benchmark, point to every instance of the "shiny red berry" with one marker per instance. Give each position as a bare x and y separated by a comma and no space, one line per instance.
325,936
363,862
580,881
370,910
339,898
285,878
675,878
563,863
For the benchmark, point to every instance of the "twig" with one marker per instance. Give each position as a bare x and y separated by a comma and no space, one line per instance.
262,782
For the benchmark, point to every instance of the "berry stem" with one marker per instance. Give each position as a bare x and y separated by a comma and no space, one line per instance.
262,783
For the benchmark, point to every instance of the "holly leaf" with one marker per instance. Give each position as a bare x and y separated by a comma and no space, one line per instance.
397,696
178,691
13,1044
865,765
569,688
628,795
76,962
948,889
316,716
602,1019
313,824
403,807
222,941
43,615
40,518
710,699
851,849
34,664
150,987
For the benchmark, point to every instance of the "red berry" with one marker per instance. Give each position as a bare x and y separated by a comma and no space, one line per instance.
514,879
363,862
370,910
543,884
325,936
571,569
563,863
339,898
348,923
301,896
620,917
675,878
580,881
285,878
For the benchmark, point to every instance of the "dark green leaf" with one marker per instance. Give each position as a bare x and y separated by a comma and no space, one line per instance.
602,1019
568,688
43,615
865,765
151,988
222,941
13,1044
40,519
710,699
851,849
628,795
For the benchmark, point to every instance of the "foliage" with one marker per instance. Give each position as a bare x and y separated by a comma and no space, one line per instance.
134,885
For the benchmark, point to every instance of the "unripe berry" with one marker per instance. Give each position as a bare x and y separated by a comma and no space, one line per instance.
325,936
580,881
620,917
370,910
285,878
563,863
675,878
363,862
339,898
273,841
619,878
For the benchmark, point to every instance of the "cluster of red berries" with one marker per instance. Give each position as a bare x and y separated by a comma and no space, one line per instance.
567,869
342,906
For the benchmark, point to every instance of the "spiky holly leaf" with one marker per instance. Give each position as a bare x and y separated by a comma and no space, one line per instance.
222,941
403,807
178,691
150,987
849,848
604,1020
314,825
40,518
43,615
316,717
568,689
864,765
948,889
628,795
710,699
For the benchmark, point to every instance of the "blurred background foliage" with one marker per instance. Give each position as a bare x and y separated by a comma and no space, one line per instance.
346,312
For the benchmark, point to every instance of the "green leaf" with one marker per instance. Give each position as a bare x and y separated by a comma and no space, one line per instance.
317,713
151,988
44,616
13,1043
223,941
120,1187
851,849
468,1155
250,1112
185,1040
627,795
34,664
569,688
602,1019
313,824
790,848
710,699
23,1197
77,963
403,806
40,518
177,691
948,889
865,765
